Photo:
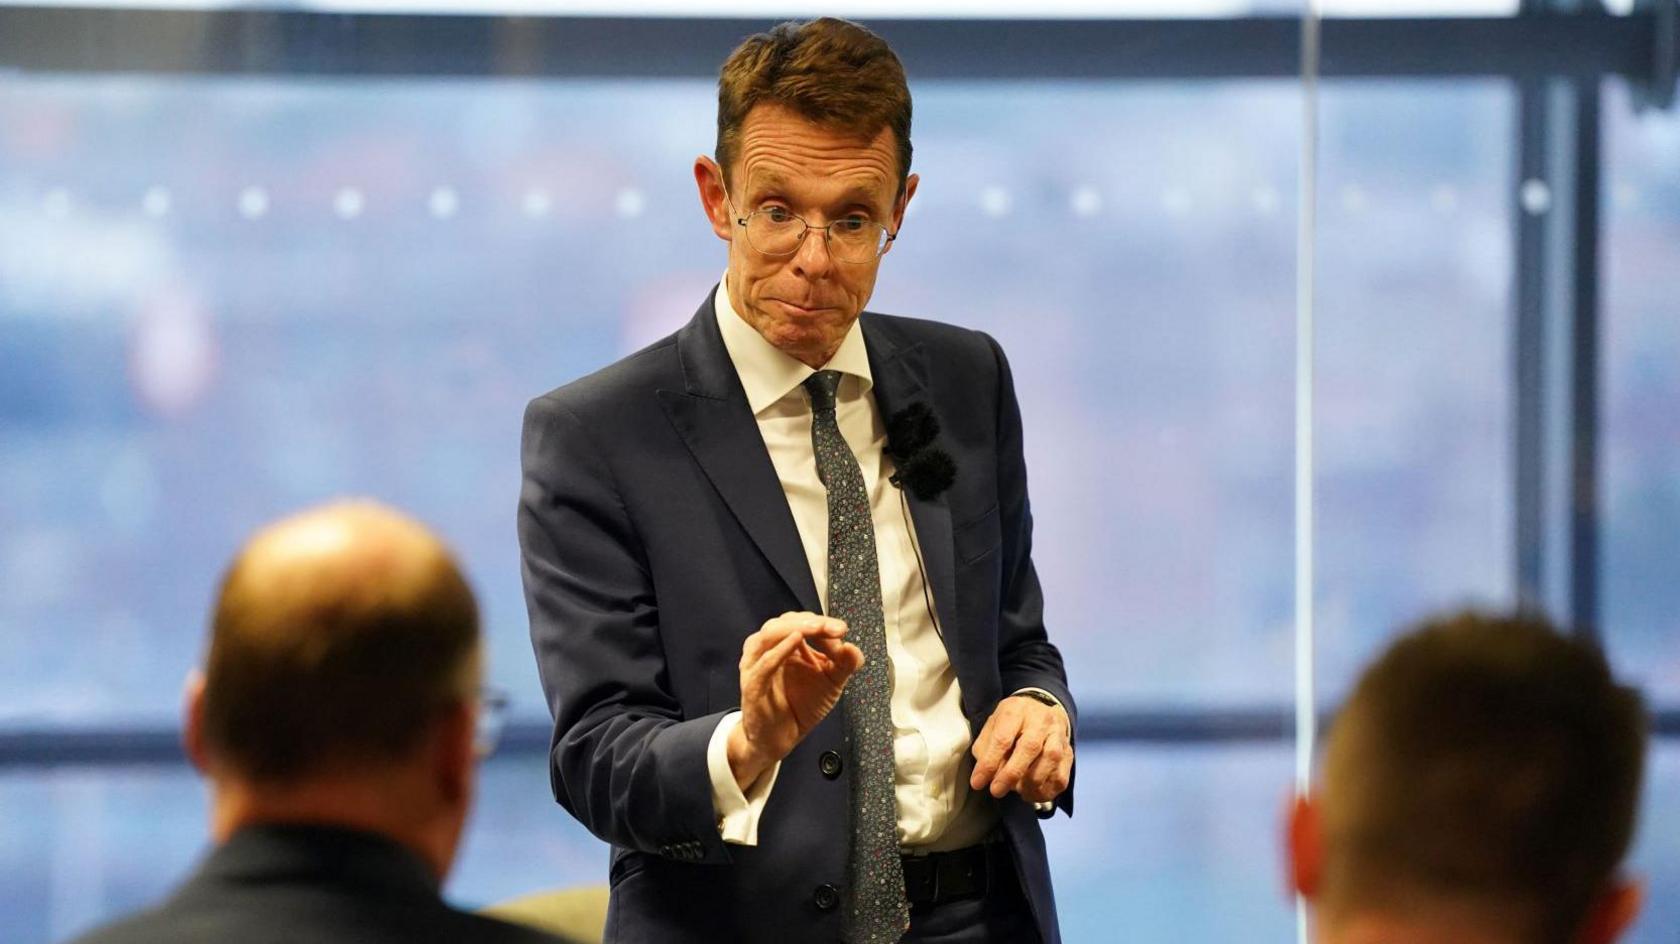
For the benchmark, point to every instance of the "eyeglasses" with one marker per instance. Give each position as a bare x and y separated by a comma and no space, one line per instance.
776,231
492,718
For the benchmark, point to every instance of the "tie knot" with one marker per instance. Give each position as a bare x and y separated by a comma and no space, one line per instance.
821,387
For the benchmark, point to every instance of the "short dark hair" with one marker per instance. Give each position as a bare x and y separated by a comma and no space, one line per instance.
833,72
334,670
1487,760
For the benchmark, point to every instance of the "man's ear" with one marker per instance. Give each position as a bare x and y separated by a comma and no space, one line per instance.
1305,842
1613,911
903,203
714,199
192,721
454,752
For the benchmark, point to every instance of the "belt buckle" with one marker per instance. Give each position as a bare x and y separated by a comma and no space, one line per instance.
920,881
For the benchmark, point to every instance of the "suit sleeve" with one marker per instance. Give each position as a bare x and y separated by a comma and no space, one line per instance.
1026,657
624,761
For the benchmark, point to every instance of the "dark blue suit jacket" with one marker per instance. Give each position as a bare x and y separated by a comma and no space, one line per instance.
285,884
656,537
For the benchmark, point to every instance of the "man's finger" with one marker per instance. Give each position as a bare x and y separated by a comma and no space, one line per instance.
984,735
813,622
774,631
1026,750
754,677
777,654
1049,774
991,749
754,646
828,645
845,661
808,624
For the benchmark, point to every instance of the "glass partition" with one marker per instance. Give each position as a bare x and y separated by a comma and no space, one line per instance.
1641,431
254,279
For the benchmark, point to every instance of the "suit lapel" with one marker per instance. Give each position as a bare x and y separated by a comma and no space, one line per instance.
900,372
713,418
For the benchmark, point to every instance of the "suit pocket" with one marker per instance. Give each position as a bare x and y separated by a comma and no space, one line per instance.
977,537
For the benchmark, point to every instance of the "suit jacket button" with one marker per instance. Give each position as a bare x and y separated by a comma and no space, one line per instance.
830,764
826,897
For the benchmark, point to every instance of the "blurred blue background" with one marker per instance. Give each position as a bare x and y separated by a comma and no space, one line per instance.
226,296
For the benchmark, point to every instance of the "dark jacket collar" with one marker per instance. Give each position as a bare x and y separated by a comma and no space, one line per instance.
317,855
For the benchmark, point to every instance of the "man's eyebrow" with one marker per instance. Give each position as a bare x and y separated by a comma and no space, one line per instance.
768,181
859,193
762,181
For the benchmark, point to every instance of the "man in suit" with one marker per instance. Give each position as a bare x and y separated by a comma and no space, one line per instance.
335,720
1479,787
779,570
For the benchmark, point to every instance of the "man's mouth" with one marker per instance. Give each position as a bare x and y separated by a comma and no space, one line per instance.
799,308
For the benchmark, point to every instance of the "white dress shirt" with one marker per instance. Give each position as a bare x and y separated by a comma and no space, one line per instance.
936,808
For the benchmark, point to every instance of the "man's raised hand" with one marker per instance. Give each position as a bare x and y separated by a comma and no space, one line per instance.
793,671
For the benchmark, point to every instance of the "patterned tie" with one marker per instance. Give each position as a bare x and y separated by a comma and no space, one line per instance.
876,909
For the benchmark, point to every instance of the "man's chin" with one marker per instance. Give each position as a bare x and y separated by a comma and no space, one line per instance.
800,338
805,346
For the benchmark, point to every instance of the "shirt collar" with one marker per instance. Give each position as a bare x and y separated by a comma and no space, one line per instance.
767,374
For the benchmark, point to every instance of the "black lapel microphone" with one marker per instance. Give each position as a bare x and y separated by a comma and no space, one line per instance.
921,468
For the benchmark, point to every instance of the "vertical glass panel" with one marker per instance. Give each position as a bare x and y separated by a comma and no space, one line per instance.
1640,453
289,291
1130,246
520,841
1175,843
1414,483
351,287
80,846
1655,860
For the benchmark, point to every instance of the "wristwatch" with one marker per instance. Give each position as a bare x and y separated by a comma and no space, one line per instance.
1038,696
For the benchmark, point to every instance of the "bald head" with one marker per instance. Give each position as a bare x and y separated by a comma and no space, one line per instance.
339,636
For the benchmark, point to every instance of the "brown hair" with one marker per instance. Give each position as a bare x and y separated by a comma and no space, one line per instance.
830,71
336,661
1488,761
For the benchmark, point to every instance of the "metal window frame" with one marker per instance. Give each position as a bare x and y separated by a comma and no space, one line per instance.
299,43
23,750
1558,58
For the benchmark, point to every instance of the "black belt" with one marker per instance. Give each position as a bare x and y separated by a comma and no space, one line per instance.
961,873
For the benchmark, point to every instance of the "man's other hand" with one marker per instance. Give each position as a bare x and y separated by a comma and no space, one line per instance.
792,673
1024,747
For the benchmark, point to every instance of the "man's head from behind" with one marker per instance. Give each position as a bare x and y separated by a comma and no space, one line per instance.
813,125
340,685
1480,785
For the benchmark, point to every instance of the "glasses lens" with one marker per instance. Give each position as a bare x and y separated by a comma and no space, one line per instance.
492,712
774,234
856,241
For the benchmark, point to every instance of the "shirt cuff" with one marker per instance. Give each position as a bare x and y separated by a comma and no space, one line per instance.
1048,806
737,812
1053,700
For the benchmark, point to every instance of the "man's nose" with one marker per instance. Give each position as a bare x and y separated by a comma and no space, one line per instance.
814,258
